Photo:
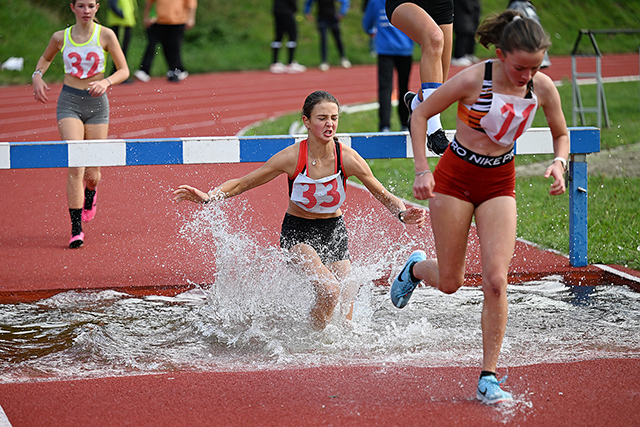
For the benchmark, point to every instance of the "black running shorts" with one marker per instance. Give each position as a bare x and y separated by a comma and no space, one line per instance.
440,11
327,236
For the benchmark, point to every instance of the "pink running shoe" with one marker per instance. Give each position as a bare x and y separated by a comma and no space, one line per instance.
87,215
77,240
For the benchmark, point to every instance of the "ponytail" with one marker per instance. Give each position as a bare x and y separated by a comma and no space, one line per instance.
511,31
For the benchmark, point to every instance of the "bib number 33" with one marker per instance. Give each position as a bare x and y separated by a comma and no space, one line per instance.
325,194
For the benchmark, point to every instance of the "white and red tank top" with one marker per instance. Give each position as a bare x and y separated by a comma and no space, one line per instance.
83,60
324,195
502,117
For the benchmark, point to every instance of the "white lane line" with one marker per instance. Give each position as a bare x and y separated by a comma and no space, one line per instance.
4,421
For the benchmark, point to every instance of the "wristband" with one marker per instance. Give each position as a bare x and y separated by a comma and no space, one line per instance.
423,172
561,160
107,79
35,73
400,216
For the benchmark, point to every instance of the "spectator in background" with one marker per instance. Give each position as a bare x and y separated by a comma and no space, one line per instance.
527,9
122,15
394,50
285,22
168,27
328,19
466,18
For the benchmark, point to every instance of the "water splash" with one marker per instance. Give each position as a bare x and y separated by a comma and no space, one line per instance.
255,315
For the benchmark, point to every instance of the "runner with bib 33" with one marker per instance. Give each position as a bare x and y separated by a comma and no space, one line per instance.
313,229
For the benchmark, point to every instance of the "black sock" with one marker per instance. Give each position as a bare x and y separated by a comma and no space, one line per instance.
413,278
76,221
88,198
487,374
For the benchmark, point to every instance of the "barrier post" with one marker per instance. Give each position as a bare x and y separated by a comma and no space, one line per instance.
583,141
578,208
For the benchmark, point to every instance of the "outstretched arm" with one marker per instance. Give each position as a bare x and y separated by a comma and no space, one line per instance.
282,162
355,165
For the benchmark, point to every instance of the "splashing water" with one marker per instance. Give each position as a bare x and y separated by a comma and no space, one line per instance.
256,316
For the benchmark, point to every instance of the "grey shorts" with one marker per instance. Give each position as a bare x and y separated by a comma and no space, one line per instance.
78,104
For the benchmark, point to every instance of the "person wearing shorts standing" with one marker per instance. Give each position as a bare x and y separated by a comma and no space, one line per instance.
83,107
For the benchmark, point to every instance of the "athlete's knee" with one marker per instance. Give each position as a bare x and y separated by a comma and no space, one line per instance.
92,177
450,284
494,285
432,42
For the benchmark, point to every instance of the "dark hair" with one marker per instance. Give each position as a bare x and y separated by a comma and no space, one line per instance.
316,98
511,31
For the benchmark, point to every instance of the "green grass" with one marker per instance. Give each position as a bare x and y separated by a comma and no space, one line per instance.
614,203
236,35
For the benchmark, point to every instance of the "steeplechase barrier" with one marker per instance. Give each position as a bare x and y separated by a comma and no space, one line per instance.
245,149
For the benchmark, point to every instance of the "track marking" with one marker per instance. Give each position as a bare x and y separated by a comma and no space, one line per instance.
4,421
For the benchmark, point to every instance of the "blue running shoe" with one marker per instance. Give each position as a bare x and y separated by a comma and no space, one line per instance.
403,286
489,391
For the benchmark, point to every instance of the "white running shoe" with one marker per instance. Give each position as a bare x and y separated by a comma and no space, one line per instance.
295,68
324,67
278,68
142,76
461,62
345,63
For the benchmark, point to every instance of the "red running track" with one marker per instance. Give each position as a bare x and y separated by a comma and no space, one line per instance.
134,245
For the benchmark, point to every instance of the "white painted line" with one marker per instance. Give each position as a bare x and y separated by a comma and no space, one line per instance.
4,421
618,273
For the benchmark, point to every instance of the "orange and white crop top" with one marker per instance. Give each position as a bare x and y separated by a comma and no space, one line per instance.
83,60
324,195
502,117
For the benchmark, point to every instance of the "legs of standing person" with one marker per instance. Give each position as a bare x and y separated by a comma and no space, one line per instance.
171,37
285,23
150,51
435,43
403,68
335,31
276,44
322,30
325,284
124,40
385,88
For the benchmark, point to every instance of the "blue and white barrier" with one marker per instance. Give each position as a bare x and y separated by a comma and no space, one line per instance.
243,149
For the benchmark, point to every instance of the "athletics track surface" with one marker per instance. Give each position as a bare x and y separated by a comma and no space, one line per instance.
133,245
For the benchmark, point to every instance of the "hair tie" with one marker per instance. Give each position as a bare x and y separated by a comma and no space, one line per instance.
516,17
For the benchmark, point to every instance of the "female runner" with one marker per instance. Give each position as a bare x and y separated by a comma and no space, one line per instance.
83,106
497,101
313,229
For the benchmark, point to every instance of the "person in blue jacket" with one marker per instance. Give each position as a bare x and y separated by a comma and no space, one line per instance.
394,50
329,19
